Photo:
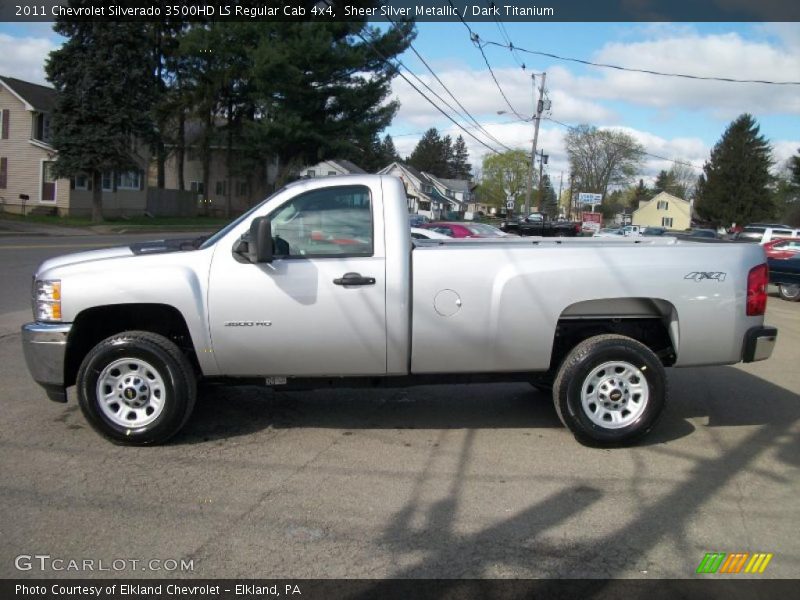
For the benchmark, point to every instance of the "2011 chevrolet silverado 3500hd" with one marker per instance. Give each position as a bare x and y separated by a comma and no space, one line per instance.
321,285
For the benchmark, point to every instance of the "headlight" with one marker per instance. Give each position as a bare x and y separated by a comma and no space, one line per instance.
47,300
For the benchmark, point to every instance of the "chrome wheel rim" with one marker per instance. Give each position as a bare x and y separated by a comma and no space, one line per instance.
614,394
131,392
791,290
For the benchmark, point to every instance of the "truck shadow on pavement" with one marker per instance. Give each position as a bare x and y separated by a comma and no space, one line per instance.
708,397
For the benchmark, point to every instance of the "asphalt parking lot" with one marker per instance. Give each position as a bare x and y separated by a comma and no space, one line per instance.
432,482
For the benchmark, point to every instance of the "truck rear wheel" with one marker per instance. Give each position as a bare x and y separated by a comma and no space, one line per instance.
610,390
136,388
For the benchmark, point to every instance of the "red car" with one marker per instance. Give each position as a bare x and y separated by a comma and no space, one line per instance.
465,230
782,248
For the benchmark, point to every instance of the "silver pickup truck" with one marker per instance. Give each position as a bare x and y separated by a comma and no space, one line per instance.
321,285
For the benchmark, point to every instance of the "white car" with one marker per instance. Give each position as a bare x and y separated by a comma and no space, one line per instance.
418,233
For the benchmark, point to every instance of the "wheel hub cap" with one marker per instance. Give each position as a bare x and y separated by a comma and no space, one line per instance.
614,394
131,392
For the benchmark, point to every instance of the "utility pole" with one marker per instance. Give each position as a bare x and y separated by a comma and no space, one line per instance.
542,160
536,119
560,185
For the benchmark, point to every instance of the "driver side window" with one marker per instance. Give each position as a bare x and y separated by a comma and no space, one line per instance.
328,222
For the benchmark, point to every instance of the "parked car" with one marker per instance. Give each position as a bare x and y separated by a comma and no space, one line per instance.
419,233
782,248
785,272
273,299
765,233
610,232
654,231
704,233
540,224
417,220
465,229
627,231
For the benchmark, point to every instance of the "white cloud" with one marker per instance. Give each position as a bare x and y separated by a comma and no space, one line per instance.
782,150
24,57
719,55
479,95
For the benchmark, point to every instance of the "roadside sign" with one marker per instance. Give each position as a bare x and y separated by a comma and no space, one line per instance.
587,198
591,221
510,205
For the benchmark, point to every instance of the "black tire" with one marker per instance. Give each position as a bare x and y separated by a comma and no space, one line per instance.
789,292
582,366
175,387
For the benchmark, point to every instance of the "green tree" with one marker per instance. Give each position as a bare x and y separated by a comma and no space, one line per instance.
103,76
787,191
734,187
548,202
321,90
460,167
600,158
504,175
432,154
641,192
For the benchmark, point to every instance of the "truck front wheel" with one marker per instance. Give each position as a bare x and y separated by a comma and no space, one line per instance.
136,388
610,390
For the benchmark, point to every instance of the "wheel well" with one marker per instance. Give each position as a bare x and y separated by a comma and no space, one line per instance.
93,325
653,332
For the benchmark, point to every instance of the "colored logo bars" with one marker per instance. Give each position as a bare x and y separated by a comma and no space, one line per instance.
734,563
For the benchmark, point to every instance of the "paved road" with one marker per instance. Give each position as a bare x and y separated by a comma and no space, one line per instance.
432,482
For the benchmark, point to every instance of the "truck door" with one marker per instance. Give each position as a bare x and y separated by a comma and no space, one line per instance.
319,307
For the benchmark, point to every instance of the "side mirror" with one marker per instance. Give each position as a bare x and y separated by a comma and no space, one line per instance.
259,248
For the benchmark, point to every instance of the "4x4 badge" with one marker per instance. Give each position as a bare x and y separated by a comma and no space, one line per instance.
701,275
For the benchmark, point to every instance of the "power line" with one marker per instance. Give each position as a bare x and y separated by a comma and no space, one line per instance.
469,115
421,93
477,41
512,47
467,126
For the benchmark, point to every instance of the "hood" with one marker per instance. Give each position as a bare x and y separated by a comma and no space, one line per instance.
137,249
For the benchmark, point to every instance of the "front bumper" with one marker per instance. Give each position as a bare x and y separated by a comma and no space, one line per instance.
45,348
759,343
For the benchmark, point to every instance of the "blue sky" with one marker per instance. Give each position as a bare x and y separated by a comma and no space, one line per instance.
674,118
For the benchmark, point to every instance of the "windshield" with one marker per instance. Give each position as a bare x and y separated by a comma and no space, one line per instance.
484,229
233,224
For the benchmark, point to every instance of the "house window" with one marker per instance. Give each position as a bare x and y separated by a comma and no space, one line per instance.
242,188
197,187
331,173
108,181
42,127
222,188
662,205
129,180
4,124
311,173
3,173
82,182
666,221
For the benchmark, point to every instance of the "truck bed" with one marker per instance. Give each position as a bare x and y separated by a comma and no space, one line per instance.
485,305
